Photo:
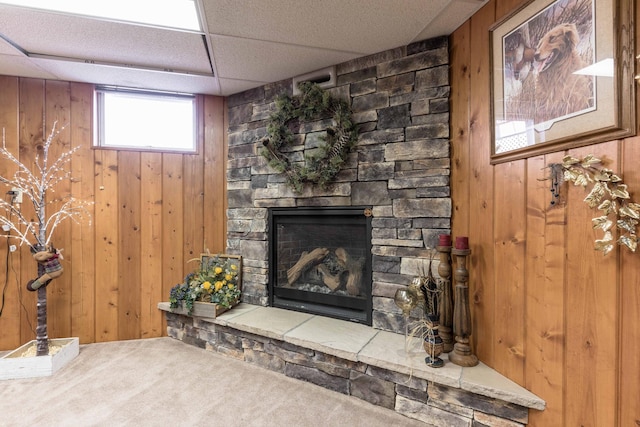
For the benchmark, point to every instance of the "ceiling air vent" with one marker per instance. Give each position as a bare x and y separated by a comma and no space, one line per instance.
325,78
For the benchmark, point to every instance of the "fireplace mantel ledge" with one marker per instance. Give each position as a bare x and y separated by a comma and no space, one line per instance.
360,343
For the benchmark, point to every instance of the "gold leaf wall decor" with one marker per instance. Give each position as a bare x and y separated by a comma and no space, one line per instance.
609,195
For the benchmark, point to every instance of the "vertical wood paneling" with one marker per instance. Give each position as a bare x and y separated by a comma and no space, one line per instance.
151,319
575,316
57,111
129,267
629,333
629,365
9,279
482,282
221,138
544,345
173,257
31,137
509,248
82,269
459,105
194,211
504,7
107,256
591,310
148,218
214,176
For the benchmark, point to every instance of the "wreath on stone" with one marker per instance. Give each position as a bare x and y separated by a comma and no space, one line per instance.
317,165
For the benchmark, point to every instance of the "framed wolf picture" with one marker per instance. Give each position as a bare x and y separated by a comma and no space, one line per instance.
561,76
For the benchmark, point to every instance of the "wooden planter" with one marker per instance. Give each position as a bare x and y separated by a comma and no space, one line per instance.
13,365
201,309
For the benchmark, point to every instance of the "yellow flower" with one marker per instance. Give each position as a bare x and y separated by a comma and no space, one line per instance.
218,285
206,285
234,267
231,286
228,277
218,270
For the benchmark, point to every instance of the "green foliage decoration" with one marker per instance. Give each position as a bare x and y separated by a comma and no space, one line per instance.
322,164
215,282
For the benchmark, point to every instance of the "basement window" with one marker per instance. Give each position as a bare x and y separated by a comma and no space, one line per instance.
145,120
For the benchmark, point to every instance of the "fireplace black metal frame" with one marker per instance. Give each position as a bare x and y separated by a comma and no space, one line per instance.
342,307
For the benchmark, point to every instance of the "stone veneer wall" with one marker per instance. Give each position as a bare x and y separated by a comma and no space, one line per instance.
434,404
400,167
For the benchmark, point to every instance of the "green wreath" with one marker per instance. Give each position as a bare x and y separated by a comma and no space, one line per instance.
324,162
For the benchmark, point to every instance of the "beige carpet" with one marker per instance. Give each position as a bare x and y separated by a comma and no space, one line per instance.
164,382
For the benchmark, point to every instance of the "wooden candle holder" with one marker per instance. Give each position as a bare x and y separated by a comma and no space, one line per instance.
446,304
462,354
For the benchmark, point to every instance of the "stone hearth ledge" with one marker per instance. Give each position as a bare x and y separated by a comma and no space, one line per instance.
361,343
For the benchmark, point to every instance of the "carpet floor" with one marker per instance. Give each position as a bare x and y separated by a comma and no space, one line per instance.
164,382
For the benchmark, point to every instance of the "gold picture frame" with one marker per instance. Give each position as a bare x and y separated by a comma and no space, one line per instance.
562,76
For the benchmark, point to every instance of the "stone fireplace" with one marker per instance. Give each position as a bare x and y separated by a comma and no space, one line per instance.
399,169
320,261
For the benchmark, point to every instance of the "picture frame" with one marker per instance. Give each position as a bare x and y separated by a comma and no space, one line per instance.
562,76
207,259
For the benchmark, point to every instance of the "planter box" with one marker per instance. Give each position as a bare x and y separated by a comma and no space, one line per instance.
201,309
13,365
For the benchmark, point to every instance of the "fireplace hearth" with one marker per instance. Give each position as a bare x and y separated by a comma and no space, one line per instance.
320,261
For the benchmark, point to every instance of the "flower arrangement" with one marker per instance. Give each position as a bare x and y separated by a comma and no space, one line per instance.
216,281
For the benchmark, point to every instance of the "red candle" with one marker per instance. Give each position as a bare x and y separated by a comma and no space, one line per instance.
462,243
445,240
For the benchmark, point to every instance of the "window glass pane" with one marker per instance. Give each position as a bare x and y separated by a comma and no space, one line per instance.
146,121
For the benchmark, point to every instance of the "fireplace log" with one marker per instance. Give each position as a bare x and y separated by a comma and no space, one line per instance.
306,261
354,267
332,281
342,257
322,275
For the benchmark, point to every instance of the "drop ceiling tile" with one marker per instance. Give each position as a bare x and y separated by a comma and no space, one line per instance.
8,49
255,60
363,26
231,86
450,18
11,65
88,73
92,39
253,42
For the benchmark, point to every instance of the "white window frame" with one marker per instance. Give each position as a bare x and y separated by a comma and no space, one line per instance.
147,125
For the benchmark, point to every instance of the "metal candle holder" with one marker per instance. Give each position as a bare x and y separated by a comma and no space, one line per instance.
433,343
406,300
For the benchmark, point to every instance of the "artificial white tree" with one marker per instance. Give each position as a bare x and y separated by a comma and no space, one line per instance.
36,186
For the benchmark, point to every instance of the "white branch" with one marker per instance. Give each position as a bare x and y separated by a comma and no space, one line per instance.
35,187
72,209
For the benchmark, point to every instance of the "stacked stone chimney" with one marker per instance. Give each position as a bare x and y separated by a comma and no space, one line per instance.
400,168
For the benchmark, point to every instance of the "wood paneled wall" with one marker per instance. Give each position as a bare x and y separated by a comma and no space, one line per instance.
152,213
548,311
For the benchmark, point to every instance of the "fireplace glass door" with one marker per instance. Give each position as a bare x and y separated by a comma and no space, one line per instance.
320,261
